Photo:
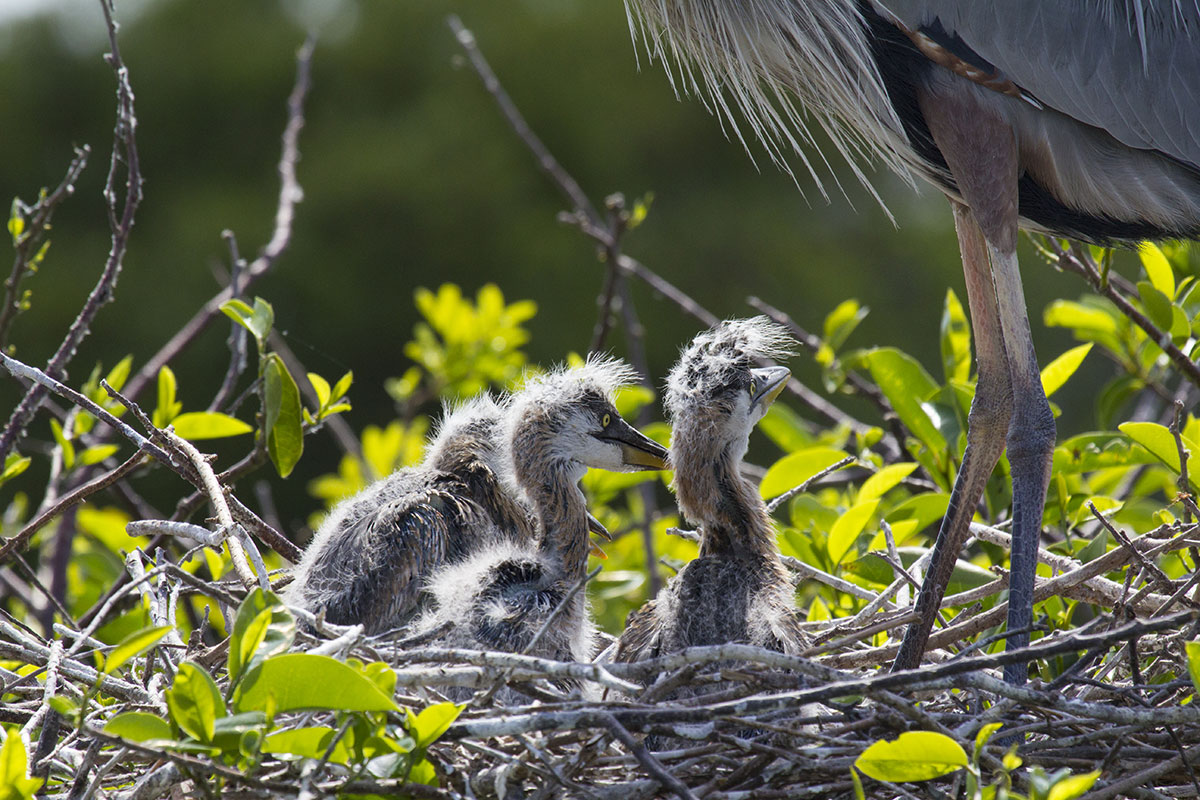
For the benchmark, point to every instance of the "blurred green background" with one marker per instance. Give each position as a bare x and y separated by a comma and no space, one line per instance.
411,178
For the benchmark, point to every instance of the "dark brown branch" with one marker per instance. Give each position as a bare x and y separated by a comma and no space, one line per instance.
290,194
29,243
125,152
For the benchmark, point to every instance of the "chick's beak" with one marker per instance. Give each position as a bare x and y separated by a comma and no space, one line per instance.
597,527
637,450
769,383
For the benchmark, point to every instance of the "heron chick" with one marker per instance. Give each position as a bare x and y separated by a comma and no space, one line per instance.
368,561
526,597
737,590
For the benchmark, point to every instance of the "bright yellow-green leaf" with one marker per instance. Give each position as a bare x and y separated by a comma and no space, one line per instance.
1193,657
432,722
884,480
194,701
985,733
14,465
321,387
258,320
168,408
138,726
312,742
914,756
302,680
955,340
818,611
1069,314
849,525
15,783
96,454
64,444
795,468
197,425
1161,443
1158,269
906,385
1073,786
134,645
1060,369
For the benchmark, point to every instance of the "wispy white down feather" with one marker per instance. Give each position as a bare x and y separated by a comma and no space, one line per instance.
782,64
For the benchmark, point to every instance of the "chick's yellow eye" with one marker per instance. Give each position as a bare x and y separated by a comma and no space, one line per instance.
607,419
753,387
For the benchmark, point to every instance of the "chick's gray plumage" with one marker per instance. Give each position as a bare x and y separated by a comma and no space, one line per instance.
499,599
368,562
737,590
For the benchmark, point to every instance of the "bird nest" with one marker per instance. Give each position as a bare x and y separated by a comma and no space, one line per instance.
726,721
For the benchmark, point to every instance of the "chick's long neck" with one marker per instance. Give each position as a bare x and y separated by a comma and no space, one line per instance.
712,493
561,512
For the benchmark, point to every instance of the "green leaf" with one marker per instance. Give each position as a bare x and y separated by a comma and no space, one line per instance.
168,408
194,701
914,756
16,221
795,468
1193,659
1161,443
321,388
64,444
133,646
303,680
139,726
119,374
262,628
14,465
842,321
1060,369
258,320
849,525
984,734
884,480
15,783
428,726
311,742
955,340
907,386
284,425
1158,269
1157,305
1072,787
787,429
197,425
96,454
342,386
1080,318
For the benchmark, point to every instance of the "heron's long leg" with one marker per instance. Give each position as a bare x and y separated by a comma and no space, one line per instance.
1030,448
981,152
989,419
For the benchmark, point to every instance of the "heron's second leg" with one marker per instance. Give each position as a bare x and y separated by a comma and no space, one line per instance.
989,419
1030,449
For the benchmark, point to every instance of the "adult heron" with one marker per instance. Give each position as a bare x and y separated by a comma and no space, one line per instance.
1078,118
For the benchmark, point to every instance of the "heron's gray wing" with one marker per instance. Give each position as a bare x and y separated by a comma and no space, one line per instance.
1129,67
373,571
642,637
